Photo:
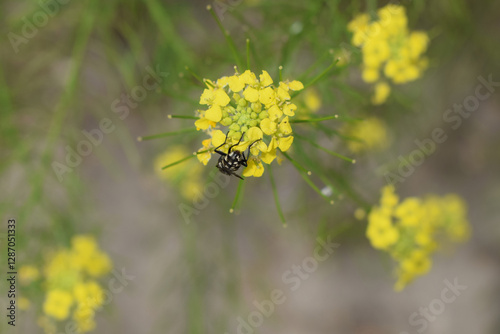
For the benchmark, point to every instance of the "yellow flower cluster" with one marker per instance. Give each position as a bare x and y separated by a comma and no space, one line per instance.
370,134
250,106
389,47
186,177
70,279
409,230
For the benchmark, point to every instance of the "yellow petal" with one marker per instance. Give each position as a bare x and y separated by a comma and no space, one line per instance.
202,124
248,78
289,109
285,143
259,170
251,94
218,138
221,82
214,113
235,83
250,170
207,96
258,147
221,98
206,143
283,93
268,126
272,145
285,127
275,112
254,133
268,157
204,158
267,96
265,79
296,85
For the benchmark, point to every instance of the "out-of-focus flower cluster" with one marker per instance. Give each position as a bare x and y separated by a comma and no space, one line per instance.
389,49
69,278
248,107
413,229
369,134
187,177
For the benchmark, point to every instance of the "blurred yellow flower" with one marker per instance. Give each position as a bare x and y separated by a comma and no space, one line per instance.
89,294
311,101
369,134
69,276
389,48
57,304
186,177
23,303
382,91
28,274
411,230
84,318
250,107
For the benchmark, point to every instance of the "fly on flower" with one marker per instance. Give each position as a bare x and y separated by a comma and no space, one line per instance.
248,120
256,114
231,161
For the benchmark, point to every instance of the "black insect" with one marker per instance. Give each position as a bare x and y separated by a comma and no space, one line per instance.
231,161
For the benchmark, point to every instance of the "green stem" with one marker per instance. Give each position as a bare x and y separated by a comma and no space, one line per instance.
316,189
276,199
305,176
296,164
195,76
179,161
335,154
227,36
248,54
310,120
239,193
183,116
167,134
320,60
317,78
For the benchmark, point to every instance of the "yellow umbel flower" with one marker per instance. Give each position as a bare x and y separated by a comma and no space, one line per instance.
70,279
410,230
369,134
250,107
389,49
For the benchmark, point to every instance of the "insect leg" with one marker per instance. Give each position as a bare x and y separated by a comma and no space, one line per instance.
229,151
217,148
